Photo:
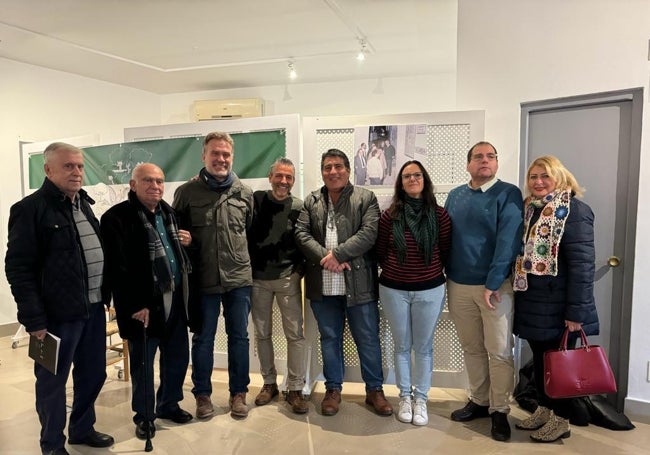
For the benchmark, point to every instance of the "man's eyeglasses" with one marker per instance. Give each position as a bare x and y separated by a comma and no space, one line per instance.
415,175
151,181
480,156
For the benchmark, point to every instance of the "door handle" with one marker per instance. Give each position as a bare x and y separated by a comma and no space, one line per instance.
603,267
613,261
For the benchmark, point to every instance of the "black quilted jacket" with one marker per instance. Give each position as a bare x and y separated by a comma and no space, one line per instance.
45,264
541,310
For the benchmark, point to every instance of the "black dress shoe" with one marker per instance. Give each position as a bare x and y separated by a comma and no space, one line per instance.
142,427
500,426
60,451
471,411
177,416
94,439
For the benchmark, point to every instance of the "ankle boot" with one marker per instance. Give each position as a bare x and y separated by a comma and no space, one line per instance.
379,403
536,420
554,429
330,404
297,402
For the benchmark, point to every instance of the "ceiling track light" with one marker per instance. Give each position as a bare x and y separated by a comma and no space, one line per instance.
361,56
292,71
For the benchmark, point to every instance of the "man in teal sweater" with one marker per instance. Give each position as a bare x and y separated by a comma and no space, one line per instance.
486,218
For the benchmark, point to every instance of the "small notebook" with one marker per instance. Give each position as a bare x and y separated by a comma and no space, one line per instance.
45,352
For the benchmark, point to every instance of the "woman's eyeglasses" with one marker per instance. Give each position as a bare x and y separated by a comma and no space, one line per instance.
415,175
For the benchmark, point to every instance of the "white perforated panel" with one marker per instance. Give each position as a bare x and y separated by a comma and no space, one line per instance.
342,139
447,147
445,159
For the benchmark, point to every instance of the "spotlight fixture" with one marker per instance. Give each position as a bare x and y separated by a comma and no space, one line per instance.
292,71
361,56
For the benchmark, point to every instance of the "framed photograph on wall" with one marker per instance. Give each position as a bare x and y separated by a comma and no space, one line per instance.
381,150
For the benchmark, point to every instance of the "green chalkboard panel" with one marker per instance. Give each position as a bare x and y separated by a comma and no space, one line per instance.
179,158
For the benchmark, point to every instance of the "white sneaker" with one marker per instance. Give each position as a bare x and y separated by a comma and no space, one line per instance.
420,415
405,413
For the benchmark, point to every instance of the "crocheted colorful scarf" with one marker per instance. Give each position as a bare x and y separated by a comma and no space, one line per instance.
541,242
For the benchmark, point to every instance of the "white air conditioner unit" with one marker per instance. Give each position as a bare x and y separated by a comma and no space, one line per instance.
227,109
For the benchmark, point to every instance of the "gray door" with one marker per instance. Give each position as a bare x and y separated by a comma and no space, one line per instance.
595,139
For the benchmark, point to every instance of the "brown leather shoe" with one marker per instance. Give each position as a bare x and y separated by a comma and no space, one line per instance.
238,406
297,402
204,407
378,401
266,394
330,404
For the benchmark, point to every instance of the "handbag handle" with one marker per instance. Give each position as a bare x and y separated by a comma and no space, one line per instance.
565,336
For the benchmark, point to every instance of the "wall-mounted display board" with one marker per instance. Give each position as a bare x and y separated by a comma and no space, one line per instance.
439,140
179,158
176,148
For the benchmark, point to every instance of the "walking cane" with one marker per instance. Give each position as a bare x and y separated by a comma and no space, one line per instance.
148,447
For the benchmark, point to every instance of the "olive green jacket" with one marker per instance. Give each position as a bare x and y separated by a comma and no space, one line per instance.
218,222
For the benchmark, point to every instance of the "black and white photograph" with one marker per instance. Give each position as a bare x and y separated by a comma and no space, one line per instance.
382,149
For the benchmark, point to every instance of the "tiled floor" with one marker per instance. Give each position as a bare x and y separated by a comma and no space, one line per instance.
273,429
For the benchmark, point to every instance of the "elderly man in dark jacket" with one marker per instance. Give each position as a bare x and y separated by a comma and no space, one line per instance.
148,272
54,265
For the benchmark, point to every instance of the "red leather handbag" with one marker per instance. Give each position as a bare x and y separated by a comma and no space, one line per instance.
577,372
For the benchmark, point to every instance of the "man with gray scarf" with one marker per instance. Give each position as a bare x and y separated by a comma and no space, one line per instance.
147,270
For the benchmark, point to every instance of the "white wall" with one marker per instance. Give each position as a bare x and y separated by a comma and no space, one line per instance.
514,51
37,104
400,96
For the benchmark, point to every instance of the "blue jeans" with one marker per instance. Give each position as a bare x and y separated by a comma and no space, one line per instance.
173,360
363,320
413,316
236,307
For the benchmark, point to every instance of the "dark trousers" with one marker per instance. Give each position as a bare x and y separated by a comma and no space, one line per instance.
83,343
173,361
561,407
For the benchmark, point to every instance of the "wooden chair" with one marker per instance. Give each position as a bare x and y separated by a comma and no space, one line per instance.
119,351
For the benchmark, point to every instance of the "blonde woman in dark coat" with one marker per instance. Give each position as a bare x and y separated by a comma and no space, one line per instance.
553,280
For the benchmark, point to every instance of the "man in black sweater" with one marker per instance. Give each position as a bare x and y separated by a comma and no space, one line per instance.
277,271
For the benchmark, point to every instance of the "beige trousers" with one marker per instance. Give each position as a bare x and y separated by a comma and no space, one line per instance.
486,339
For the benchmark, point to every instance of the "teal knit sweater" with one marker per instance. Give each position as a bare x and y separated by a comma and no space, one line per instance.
486,233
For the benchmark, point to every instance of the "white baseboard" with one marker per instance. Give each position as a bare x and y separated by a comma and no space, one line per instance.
638,410
8,329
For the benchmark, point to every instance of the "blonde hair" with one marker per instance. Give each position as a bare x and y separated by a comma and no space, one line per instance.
563,178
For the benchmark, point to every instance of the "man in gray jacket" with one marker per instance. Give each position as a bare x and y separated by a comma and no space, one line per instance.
217,209
336,232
